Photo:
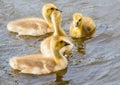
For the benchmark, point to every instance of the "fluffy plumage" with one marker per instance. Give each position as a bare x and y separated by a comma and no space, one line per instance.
39,64
82,27
34,26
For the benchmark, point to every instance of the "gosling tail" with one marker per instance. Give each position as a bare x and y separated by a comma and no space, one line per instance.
13,63
9,27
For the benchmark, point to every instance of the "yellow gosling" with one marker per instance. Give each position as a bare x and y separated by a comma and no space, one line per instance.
38,64
82,27
34,26
45,44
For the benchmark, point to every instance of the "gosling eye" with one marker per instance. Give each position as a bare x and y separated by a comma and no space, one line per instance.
52,8
80,19
61,41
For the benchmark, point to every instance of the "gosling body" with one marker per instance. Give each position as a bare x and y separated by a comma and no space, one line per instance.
34,26
38,64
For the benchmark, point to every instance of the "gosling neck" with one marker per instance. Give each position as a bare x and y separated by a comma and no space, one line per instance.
48,19
80,26
57,28
57,55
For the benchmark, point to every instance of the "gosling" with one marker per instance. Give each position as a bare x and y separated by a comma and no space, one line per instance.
38,64
82,27
34,26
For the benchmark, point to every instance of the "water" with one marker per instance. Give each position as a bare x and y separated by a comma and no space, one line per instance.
98,65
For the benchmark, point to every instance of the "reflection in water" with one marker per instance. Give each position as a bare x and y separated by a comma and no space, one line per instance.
32,38
28,39
15,71
59,76
80,44
59,79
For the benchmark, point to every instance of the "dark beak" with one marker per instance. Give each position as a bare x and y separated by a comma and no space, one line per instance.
58,10
76,24
66,43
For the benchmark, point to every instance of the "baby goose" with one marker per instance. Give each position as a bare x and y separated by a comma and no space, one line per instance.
82,26
45,44
34,26
38,64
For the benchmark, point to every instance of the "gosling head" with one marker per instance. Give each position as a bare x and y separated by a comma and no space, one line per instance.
48,9
77,19
59,42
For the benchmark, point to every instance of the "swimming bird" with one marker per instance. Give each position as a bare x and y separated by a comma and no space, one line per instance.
59,32
34,26
82,27
38,64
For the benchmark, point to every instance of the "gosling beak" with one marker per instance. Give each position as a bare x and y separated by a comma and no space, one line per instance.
66,43
58,10
76,24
